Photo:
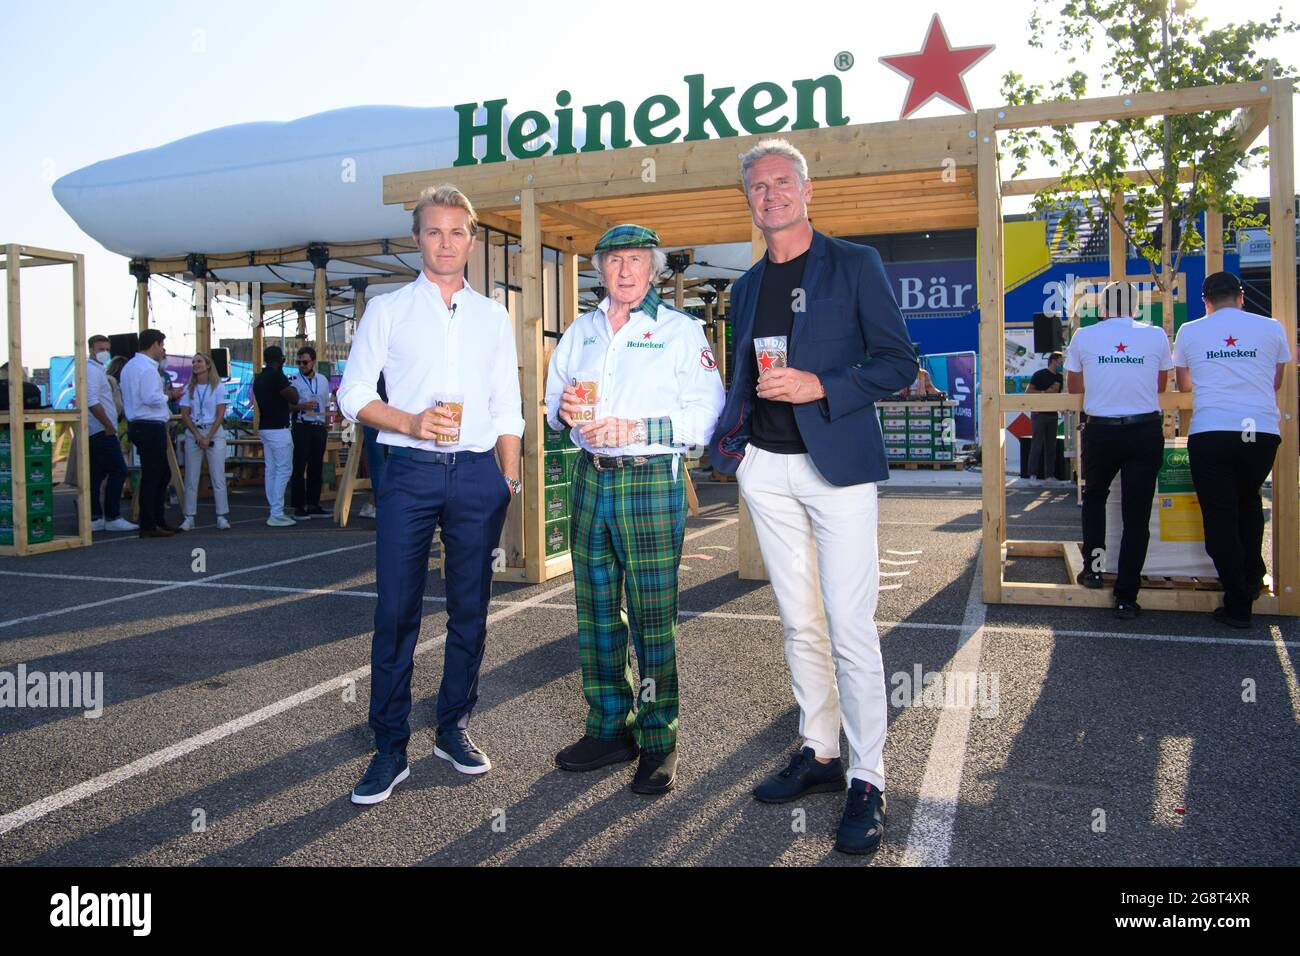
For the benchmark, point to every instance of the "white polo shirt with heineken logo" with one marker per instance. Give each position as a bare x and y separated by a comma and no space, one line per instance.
1120,359
1232,356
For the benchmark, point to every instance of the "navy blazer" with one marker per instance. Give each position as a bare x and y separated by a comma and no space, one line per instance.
852,335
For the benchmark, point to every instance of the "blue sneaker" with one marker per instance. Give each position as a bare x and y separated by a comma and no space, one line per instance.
863,824
456,746
386,771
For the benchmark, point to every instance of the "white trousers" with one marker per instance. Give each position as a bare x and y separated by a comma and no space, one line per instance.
819,544
216,456
277,449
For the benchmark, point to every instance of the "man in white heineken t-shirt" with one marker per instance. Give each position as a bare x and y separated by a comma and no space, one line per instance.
1120,366
1232,362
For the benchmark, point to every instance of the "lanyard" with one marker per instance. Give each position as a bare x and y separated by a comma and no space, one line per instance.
312,384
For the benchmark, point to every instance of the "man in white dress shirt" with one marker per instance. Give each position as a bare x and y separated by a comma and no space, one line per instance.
448,358
147,415
310,435
657,391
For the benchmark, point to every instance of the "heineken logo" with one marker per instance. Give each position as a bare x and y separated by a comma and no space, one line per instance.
589,340
764,108
1231,353
645,345
1121,360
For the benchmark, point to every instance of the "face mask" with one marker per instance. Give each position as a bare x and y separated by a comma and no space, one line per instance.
103,358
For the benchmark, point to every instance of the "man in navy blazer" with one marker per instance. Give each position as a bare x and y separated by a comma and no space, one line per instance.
819,339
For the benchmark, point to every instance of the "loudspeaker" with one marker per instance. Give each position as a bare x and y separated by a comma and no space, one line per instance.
221,359
1047,333
125,344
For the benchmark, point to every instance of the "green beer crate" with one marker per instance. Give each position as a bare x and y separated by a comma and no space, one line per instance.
553,440
40,498
40,528
919,452
556,502
896,452
35,444
895,439
556,469
557,537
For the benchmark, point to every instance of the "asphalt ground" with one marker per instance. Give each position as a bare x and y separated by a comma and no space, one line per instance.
234,722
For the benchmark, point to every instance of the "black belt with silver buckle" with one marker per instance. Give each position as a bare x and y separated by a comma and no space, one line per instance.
614,462
1125,419
435,457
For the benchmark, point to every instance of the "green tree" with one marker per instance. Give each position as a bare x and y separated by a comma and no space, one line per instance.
1143,46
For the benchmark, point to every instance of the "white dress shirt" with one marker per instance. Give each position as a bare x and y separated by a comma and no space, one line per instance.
657,365
315,388
142,390
203,403
1119,358
100,393
424,348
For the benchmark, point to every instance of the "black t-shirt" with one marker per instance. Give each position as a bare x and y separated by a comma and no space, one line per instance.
272,407
772,426
1045,378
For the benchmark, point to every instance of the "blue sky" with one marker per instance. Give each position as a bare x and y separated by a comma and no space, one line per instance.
100,80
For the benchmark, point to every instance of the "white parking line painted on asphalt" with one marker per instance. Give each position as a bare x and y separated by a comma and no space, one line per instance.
902,554
930,841
47,805
180,584
898,563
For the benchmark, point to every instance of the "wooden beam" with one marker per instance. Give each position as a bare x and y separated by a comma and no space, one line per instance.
578,216
992,334
1029,187
838,152
320,308
531,323
1252,120
569,308
749,556
1196,99
368,263
1213,241
1282,225
142,305
1116,241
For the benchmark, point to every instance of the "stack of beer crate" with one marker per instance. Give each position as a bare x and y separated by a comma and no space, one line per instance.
559,458
38,464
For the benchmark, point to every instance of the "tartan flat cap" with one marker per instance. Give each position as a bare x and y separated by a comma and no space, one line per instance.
627,236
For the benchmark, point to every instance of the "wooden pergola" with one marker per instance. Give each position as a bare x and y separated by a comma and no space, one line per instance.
872,178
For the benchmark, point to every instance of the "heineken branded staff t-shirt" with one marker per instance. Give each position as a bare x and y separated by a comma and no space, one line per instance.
1120,359
1232,356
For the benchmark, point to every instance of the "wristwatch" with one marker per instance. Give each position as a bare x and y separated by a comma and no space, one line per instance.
515,485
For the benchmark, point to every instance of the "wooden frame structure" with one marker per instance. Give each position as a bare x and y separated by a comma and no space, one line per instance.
876,178
18,257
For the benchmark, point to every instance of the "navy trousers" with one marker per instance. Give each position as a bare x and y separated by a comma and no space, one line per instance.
467,501
106,462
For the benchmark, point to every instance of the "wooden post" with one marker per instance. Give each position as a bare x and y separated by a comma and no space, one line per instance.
569,307
142,304
992,356
82,436
320,307
17,422
679,289
1213,245
532,309
749,557
1117,247
1282,224
202,321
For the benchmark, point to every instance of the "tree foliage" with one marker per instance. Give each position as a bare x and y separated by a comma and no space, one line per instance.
1143,46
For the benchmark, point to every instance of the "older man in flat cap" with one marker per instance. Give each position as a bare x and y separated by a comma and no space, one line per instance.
637,382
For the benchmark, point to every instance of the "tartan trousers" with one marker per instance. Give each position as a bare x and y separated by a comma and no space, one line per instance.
627,530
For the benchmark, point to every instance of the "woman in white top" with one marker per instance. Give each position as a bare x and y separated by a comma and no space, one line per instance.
203,409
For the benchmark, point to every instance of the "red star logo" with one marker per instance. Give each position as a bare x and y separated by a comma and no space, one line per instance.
647,335
936,70
765,361
584,395
1121,347
1229,341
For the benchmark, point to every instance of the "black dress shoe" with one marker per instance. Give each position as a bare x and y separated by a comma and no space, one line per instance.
1089,579
1127,610
863,824
592,753
803,775
1223,617
656,773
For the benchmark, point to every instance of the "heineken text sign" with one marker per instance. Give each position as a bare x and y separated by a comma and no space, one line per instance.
763,108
